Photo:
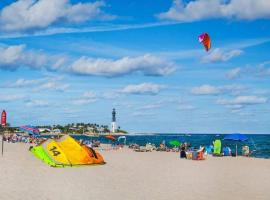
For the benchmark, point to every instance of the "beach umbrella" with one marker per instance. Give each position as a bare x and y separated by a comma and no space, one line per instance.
175,143
238,137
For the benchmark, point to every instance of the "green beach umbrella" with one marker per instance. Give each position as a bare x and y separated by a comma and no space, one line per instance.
175,143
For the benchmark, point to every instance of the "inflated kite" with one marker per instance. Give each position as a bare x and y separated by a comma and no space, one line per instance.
205,40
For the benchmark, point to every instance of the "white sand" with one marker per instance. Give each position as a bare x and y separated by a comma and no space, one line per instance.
131,175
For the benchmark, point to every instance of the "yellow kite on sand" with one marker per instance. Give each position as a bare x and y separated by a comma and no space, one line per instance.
66,151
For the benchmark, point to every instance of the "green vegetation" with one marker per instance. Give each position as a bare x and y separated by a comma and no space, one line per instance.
82,128
73,128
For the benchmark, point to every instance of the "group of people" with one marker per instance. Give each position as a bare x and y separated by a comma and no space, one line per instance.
90,143
190,153
14,138
200,154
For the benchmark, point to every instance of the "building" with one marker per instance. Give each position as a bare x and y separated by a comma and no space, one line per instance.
113,124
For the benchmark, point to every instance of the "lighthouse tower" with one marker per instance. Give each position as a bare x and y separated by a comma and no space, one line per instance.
113,124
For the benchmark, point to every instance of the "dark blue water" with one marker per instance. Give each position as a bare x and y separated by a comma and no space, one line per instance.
259,144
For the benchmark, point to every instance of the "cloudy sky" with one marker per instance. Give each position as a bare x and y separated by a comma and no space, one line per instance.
64,61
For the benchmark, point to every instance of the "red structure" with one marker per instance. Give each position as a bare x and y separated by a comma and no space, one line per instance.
4,118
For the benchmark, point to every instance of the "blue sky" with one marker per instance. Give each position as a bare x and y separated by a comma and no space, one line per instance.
73,61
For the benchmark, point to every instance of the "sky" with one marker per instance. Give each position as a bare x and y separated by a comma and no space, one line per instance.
68,61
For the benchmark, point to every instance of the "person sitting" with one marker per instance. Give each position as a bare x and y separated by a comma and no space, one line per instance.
183,152
245,151
149,147
209,149
162,147
227,151
200,153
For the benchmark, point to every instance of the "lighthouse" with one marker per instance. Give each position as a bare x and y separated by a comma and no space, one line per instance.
4,118
113,124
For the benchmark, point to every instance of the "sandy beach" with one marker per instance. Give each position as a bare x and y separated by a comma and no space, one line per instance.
133,175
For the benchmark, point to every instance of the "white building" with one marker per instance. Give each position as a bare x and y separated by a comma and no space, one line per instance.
113,124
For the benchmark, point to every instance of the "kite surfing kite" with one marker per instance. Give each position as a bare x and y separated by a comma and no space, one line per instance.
110,137
29,129
205,40
66,152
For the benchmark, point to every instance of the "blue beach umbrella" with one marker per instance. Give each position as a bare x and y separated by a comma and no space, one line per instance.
238,137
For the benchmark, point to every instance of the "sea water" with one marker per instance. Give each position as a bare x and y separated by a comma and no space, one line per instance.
258,144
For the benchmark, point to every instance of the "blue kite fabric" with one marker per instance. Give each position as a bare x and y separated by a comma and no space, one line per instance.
31,130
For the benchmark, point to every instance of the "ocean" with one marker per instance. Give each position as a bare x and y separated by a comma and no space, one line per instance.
259,144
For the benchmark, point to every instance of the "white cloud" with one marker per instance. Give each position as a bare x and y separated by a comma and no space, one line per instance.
21,82
16,56
12,57
51,85
37,103
90,29
205,90
207,9
87,98
110,95
146,64
45,83
184,107
81,102
142,114
216,90
234,73
219,55
243,100
260,70
144,88
150,106
89,94
25,15
5,98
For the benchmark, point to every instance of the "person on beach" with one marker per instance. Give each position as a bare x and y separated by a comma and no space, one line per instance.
183,152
